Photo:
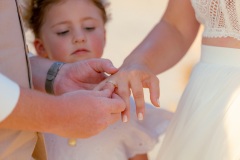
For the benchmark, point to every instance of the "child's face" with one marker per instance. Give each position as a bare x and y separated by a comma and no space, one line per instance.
72,30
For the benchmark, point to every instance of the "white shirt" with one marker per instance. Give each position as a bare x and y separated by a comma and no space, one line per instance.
9,94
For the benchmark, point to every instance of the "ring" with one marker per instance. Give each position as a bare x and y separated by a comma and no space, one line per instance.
113,83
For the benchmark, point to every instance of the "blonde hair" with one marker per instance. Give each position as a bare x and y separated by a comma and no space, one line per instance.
34,12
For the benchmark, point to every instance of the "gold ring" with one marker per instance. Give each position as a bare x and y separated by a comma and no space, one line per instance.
113,83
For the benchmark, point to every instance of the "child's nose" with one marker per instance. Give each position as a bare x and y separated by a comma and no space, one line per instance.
79,37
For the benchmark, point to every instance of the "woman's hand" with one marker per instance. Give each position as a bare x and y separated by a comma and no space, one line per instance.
133,78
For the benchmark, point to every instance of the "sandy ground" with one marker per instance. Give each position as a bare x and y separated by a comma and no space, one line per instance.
130,23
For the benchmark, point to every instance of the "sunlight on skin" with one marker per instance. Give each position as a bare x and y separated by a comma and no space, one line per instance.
127,19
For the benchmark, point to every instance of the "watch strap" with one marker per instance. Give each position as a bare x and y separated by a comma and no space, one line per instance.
51,75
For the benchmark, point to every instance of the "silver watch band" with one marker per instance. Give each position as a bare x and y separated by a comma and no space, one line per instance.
51,75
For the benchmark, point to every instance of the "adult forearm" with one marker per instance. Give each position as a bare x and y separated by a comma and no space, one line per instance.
161,49
32,112
74,114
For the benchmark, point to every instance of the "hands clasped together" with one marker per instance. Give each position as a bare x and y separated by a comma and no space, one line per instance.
132,78
107,101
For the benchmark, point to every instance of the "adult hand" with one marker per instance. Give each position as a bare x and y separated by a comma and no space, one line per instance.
85,74
86,113
133,77
77,114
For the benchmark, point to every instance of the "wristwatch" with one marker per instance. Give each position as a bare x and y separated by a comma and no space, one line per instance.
51,75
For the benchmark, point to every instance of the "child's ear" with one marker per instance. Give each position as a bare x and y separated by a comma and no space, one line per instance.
40,48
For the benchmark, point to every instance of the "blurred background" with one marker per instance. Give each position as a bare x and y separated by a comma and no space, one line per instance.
131,21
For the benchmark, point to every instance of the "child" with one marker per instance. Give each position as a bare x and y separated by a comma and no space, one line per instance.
72,30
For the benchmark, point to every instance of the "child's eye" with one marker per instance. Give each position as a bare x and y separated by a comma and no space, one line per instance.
62,33
89,28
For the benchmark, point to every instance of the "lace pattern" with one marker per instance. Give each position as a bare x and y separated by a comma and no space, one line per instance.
221,18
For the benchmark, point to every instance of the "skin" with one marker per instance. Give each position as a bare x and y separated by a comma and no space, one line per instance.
155,54
161,49
62,115
68,114
72,76
66,31
72,37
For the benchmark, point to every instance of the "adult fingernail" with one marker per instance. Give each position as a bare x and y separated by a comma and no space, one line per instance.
140,116
125,118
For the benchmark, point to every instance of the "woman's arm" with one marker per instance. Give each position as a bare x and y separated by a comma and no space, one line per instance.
162,48
169,40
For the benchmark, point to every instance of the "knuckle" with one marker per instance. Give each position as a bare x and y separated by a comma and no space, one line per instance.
133,73
108,60
123,93
156,80
138,95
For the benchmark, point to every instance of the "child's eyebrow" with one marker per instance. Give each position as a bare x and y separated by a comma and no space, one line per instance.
68,22
60,23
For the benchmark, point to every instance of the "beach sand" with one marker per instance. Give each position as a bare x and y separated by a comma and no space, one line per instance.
130,23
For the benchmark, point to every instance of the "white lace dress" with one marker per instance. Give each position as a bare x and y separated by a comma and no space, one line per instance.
206,123
118,142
